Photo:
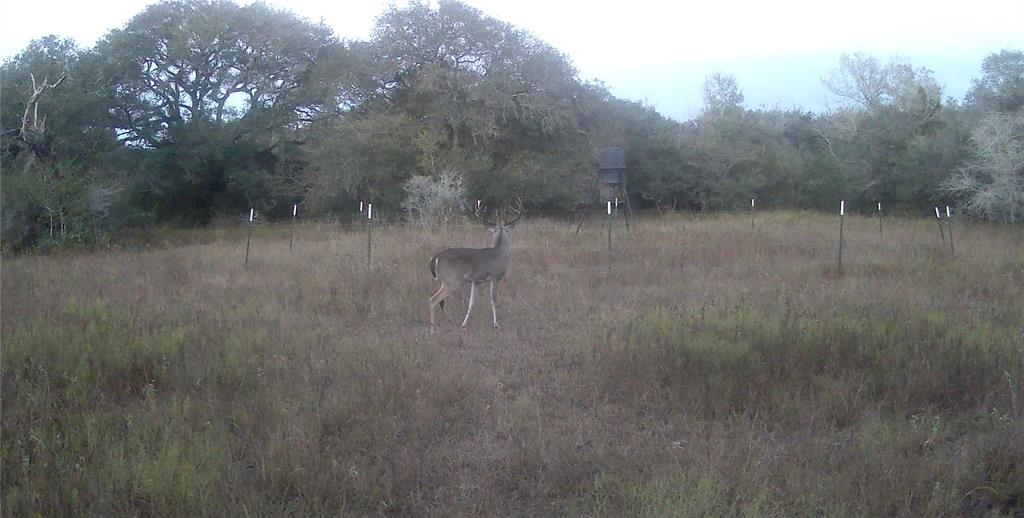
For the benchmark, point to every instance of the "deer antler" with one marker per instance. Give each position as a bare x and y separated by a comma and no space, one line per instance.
519,212
480,213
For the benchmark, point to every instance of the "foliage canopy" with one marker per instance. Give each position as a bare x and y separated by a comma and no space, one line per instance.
202,108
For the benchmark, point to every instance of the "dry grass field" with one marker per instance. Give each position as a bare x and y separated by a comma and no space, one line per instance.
716,370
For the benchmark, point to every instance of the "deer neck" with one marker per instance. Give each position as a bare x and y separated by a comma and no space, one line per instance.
500,244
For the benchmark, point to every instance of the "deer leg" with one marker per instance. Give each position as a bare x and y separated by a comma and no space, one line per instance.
436,300
472,291
494,311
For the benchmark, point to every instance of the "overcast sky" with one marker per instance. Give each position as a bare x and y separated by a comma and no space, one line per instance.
660,51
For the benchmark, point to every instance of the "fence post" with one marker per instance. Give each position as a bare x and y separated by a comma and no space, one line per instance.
949,225
880,221
609,236
369,234
842,210
751,214
291,235
248,235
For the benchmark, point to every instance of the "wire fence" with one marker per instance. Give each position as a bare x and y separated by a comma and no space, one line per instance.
810,228
386,219
384,216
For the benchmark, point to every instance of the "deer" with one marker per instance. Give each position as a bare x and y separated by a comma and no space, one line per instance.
455,267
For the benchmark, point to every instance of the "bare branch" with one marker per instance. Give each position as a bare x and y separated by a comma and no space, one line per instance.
30,121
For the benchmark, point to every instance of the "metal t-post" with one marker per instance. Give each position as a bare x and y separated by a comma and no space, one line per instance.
291,235
369,234
248,236
880,220
842,210
949,226
609,236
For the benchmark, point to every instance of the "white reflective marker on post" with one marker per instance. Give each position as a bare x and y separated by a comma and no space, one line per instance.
251,213
295,209
879,206
360,207
616,203
477,204
947,211
369,211
842,207
751,202
609,208
937,213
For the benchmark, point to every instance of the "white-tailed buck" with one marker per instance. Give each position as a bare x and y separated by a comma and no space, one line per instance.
457,266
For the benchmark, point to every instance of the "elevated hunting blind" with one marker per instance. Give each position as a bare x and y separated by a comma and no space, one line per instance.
611,181
611,174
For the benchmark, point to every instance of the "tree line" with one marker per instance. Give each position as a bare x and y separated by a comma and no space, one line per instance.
199,109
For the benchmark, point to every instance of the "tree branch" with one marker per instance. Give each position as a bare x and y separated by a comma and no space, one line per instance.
34,124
